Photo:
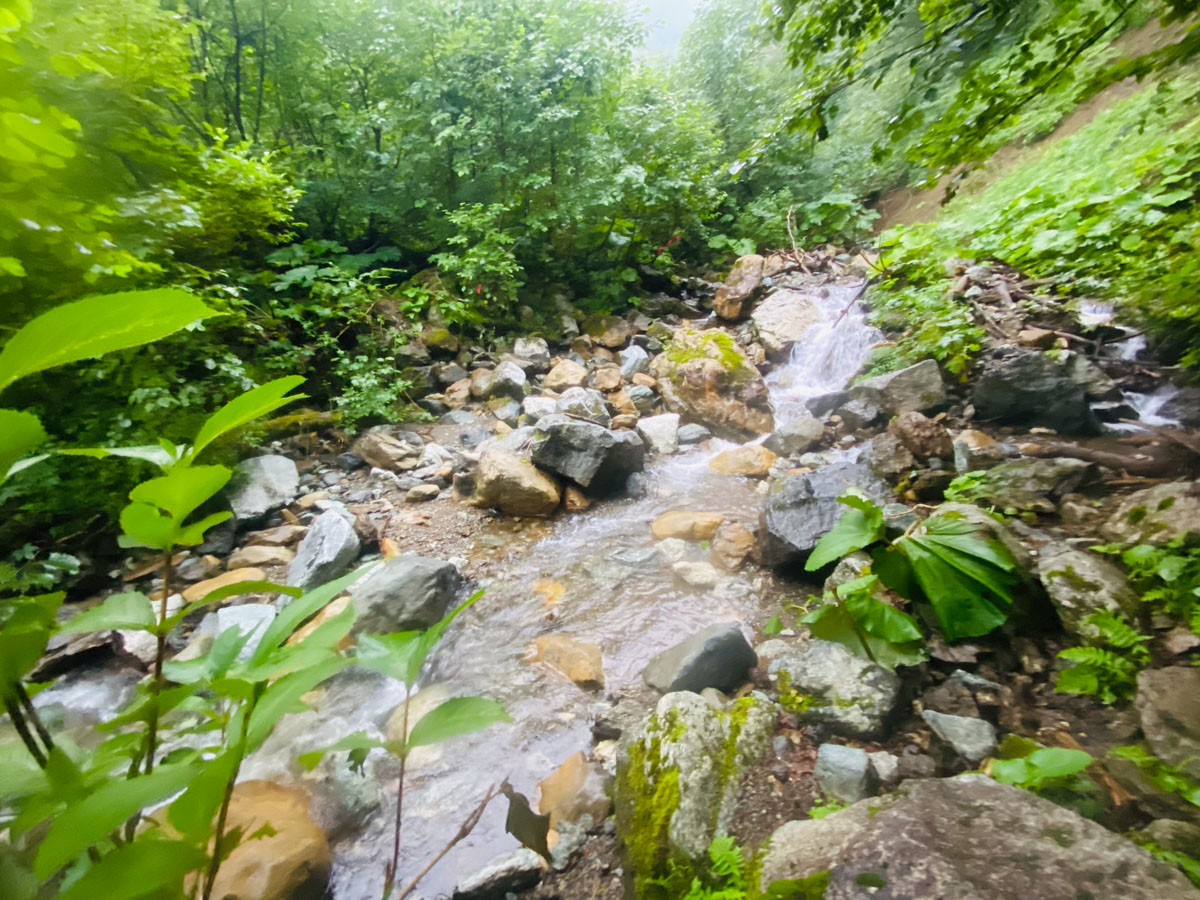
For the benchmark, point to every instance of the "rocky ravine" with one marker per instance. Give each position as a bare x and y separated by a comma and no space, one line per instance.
715,741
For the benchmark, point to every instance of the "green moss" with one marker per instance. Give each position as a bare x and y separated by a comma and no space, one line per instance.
870,879
711,345
1060,836
1137,514
650,790
791,699
1165,503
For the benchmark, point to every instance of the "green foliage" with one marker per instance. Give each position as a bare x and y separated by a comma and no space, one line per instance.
732,875
1166,576
1188,865
1108,672
1055,773
827,808
1164,776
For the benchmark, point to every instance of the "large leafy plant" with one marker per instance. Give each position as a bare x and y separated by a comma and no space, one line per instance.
963,574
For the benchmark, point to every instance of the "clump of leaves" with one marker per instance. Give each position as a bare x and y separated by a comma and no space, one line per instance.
963,574
1055,773
1108,672
826,808
1167,576
733,875
1164,776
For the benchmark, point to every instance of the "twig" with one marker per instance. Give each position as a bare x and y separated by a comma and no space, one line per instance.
861,290
465,829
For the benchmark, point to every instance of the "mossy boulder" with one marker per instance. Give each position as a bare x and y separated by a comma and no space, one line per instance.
678,780
706,377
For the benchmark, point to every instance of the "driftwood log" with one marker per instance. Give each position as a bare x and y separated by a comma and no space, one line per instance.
1159,453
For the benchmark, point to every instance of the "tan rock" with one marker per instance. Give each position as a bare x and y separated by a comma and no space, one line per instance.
1041,338
458,394
579,661
575,500
688,525
551,592
511,484
567,374
733,298
577,788
783,319
308,501
752,460
280,536
202,589
385,451
923,437
607,379
645,380
608,331
732,545
603,353
974,439
624,422
331,611
480,383
293,863
622,403
258,555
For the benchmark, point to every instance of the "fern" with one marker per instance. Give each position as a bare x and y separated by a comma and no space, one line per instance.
1109,674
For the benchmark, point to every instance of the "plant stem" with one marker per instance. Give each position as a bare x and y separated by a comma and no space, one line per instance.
214,864
160,652
32,714
19,723
390,876
465,829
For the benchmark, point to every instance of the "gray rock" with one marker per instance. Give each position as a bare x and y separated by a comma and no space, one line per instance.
967,838
1089,376
717,657
1172,834
634,360
405,592
508,380
589,454
250,619
1032,389
697,574
661,433
972,739
586,404
1081,583
852,695
918,387
889,458
1184,407
327,551
693,433
1157,515
782,319
795,437
536,407
535,350
885,767
262,484
506,410
843,773
1034,485
504,875
1168,705
643,398
801,509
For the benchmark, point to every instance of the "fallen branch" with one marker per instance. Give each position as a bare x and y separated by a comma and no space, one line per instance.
463,830
861,290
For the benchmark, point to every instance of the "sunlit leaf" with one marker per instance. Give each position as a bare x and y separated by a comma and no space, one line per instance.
246,408
130,610
20,433
460,715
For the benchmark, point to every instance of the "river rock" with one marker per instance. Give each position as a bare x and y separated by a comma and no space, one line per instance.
634,361
693,433
751,460
678,778
608,331
889,458
262,484
972,739
259,555
660,433
643,398
1080,583
533,408
1183,407
733,298
732,545
535,350
576,789
782,319
717,657
967,838
586,404
802,508
290,862
1034,485
1168,705
1032,389
607,378
513,485
852,695
687,525
705,376
590,455
579,661
918,387
796,436
385,451
507,380
1089,376
923,437
566,374
697,574
843,773
405,592
501,877
327,551
1157,515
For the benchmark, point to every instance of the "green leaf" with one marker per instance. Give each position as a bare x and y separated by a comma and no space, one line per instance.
357,741
961,603
20,433
300,611
153,453
226,591
182,490
460,715
880,619
131,610
283,697
249,406
109,806
137,870
400,655
833,622
192,811
24,635
95,326
1058,762
859,526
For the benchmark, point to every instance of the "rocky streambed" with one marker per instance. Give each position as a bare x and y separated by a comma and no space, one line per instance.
635,501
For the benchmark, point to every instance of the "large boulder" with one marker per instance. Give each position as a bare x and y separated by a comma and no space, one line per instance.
1080,583
507,380
918,387
290,860
717,657
803,508
1168,705
329,548
782,319
1032,389
705,376
660,433
824,683
588,454
406,592
1033,485
742,285
512,484
967,838
1157,515
679,777
262,484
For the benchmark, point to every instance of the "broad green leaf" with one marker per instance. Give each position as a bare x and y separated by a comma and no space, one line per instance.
24,635
144,526
833,622
249,406
131,610
193,534
859,526
960,603
976,569
1010,771
881,620
226,591
402,654
153,453
1058,762
22,775
893,569
212,665
109,806
182,490
460,715
192,811
20,433
321,644
137,870
357,741
283,697
95,326
300,611
139,709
